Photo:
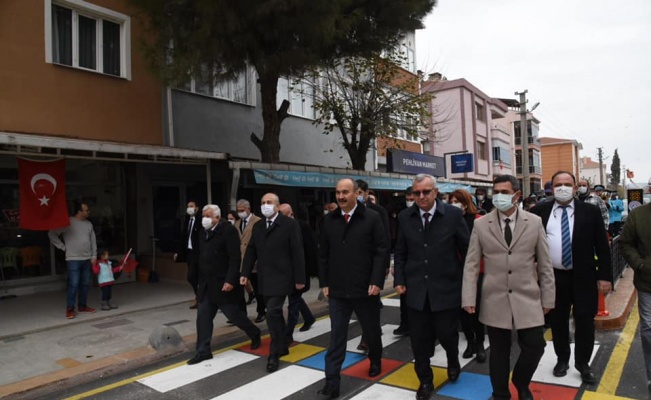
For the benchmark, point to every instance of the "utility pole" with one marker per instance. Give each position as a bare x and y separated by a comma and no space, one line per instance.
601,165
524,139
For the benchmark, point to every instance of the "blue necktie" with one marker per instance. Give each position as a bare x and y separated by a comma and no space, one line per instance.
567,240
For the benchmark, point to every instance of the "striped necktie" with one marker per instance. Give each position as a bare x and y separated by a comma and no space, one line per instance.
566,239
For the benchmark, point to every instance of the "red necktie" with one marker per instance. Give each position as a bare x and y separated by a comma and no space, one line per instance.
346,217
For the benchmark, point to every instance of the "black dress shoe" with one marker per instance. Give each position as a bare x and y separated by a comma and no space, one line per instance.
255,342
306,326
425,391
362,346
272,364
587,376
375,370
561,368
284,352
481,353
329,391
524,394
261,317
401,331
198,358
470,350
454,370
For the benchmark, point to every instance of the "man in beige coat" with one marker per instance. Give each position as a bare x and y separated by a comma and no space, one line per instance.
518,286
245,227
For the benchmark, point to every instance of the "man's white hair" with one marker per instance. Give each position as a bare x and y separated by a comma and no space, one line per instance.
421,177
216,212
244,203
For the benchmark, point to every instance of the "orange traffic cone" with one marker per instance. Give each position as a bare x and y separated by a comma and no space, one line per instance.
602,312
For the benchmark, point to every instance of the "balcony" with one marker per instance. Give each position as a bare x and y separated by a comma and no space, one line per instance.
533,169
532,140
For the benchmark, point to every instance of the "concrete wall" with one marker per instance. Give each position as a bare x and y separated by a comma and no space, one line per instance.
44,98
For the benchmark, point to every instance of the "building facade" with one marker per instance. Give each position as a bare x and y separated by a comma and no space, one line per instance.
589,170
560,155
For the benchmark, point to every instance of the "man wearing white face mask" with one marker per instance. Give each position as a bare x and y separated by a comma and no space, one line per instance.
518,286
245,228
277,247
576,233
188,244
583,193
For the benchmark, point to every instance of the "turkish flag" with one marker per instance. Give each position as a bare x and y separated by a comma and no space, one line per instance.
630,174
43,204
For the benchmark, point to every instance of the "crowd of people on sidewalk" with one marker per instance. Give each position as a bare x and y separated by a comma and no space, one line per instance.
485,266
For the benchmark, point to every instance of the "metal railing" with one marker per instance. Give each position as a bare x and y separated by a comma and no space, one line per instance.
617,260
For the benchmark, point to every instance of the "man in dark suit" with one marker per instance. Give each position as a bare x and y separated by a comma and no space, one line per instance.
432,243
188,244
575,233
352,268
297,304
277,247
218,262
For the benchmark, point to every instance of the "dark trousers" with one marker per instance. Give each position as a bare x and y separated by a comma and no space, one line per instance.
297,306
473,330
368,313
205,316
193,271
404,311
259,299
425,327
532,346
276,325
560,322
106,292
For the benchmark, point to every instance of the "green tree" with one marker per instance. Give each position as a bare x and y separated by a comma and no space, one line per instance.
615,170
368,98
278,38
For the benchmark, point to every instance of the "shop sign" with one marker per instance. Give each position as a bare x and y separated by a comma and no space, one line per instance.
414,163
462,163
323,180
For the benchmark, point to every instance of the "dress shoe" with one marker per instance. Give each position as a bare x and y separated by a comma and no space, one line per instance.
272,364
587,376
425,391
561,368
329,391
401,331
261,317
362,346
307,325
525,394
481,353
375,369
255,342
470,350
284,352
454,370
194,305
198,358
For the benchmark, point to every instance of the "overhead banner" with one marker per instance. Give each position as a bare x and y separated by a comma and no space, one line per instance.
414,163
322,180
462,163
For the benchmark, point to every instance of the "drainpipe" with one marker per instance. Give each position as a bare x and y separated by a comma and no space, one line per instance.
234,184
208,182
170,118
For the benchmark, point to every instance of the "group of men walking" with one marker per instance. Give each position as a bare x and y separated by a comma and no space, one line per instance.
536,265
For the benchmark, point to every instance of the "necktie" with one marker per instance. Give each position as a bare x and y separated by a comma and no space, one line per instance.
426,223
190,226
567,240
269,222
346,217
508,234
243,225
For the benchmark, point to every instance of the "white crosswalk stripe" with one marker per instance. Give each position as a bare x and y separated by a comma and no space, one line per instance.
384,392
388,338
545,370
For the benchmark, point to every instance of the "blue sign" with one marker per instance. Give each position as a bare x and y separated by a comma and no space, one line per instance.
322,180
414,163
462,163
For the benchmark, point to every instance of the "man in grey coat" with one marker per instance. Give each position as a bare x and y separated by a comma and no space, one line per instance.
518,286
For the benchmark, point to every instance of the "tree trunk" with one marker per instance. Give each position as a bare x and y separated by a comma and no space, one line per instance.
269,145
358,153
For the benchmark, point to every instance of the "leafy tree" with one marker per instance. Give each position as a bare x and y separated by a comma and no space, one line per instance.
615,170
276,37
368,98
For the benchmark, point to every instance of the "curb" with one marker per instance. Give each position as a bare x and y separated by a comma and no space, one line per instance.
619,303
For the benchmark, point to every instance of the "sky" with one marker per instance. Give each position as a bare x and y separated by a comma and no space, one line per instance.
588,63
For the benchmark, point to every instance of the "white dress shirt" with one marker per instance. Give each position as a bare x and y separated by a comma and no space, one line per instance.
555,233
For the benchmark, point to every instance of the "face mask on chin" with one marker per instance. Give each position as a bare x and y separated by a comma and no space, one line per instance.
231,221
503,202
409,203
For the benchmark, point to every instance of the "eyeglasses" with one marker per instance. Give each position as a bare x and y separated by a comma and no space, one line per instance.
425,192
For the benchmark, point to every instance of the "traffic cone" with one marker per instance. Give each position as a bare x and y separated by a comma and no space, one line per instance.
602,312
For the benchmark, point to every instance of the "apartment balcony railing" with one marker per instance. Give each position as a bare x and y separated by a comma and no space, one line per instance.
533,169
532,140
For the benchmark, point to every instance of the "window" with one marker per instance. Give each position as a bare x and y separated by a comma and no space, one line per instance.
85,36
237,90
481,150
480,112
502,155
300,95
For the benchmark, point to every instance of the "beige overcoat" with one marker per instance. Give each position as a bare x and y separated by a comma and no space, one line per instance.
245,236
518,279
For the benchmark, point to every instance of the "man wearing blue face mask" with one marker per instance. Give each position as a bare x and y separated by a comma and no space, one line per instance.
576,233
518,288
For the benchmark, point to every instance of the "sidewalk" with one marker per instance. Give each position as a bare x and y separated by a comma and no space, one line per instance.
39,347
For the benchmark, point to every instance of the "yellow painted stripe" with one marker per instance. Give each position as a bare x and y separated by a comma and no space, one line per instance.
613,373
602,396
136,378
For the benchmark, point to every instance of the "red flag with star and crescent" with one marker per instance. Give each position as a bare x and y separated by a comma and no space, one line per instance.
43,203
